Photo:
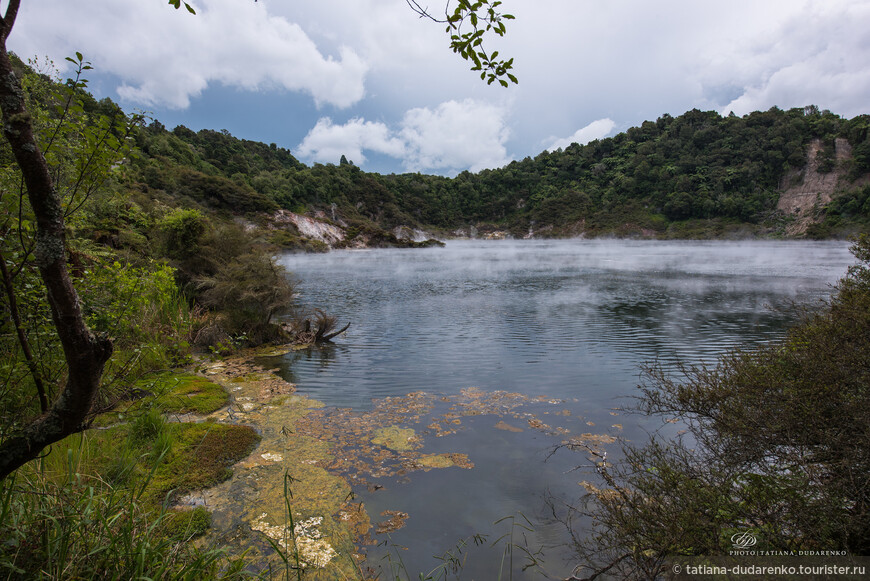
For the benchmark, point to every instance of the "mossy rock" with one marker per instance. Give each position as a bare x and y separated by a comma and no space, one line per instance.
169,393
202,455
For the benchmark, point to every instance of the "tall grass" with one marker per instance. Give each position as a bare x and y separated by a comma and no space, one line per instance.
84,528
59,520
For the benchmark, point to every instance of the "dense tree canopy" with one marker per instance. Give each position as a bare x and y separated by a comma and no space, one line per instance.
699,166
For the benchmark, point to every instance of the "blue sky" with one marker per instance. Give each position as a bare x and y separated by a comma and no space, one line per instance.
370,80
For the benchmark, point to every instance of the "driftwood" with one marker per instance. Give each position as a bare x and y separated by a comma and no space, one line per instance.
303,332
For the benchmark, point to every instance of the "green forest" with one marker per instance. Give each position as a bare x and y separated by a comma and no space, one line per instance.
696,175
170,238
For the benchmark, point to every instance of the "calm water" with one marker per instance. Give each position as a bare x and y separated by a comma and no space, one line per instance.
570,320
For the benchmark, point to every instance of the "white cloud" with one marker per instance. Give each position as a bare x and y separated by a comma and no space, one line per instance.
166,57
576,61
450,138
595,130
817,57
456,135
327,142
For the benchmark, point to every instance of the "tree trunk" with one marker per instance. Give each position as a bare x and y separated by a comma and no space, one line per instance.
85,354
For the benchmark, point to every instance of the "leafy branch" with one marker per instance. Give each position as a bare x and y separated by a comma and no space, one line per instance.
177,4
468,25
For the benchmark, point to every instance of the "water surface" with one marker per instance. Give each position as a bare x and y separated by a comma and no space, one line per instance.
569,320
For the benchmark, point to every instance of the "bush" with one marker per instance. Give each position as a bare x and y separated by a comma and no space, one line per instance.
249,290
180,231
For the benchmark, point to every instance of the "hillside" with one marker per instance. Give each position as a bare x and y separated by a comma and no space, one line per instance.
697,175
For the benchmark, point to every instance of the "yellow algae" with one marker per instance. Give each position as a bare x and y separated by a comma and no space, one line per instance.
502,425
428,461
436,461
286,471
306,538
396,438
313,549
602,493
597,438
537,424
589,441
272,350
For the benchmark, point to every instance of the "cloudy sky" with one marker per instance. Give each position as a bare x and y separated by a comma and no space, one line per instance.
370,80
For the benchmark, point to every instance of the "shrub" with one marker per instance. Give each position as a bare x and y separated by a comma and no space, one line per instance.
180,231
249,290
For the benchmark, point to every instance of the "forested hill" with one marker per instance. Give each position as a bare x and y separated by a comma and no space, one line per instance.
696,175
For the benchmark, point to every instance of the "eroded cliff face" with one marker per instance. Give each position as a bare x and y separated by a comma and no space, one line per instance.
333,232
311,228
805,192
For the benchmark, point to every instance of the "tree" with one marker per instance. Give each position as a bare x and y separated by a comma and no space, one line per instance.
86,353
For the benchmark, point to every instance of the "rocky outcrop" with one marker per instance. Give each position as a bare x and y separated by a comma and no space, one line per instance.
412,234
310,228
335,233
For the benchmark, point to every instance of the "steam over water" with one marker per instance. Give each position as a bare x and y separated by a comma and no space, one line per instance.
564,318
571,320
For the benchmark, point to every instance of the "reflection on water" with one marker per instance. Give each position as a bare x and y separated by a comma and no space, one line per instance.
567,319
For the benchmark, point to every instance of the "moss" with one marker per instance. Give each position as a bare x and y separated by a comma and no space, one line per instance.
182,525
169,392
201,455
187,393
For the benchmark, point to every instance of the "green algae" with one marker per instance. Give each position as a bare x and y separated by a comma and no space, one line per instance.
396,438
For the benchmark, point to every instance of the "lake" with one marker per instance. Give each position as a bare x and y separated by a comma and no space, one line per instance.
565,326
